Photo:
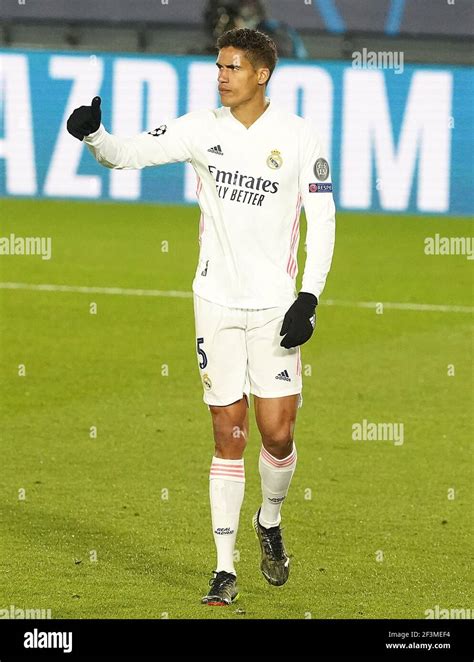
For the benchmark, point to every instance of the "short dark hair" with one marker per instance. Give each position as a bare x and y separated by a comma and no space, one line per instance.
259,48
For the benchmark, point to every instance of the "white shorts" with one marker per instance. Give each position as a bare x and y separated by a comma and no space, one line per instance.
239,353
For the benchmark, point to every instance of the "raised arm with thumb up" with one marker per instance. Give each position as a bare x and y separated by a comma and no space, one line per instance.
85,119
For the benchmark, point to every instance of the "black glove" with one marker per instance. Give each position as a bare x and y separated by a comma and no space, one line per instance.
299,321
85,120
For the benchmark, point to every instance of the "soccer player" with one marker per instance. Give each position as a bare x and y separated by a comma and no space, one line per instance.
256,164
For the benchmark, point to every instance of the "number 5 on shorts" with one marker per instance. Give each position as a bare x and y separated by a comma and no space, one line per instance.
202,353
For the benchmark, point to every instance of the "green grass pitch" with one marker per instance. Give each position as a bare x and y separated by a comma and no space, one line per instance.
374,529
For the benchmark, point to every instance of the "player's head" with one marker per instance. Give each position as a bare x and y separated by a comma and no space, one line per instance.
246,61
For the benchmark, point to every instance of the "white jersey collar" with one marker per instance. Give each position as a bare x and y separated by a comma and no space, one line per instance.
263,116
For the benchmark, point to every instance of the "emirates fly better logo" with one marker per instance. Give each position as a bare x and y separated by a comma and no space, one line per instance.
246,189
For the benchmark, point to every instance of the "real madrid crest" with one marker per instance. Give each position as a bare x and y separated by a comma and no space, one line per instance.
274,161
206,381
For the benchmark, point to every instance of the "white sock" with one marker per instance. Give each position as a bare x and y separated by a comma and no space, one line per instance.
276,477
226,491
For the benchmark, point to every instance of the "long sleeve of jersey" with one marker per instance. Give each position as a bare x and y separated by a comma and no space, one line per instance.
251,183
315,184
169,143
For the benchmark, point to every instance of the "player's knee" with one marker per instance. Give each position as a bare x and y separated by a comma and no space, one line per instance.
279,443
230,443
230,432
229,449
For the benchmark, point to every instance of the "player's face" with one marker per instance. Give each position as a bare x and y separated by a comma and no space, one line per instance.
237,80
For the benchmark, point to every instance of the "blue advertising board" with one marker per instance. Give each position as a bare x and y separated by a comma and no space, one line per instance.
400,138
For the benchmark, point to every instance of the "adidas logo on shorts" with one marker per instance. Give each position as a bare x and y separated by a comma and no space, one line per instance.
284,375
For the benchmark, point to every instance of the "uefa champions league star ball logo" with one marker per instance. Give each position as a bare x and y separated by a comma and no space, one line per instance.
206,381
321,169
274,161
159,131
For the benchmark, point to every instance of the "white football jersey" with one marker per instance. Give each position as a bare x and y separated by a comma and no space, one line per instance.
251,184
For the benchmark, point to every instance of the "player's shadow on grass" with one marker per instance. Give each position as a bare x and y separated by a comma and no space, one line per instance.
53,532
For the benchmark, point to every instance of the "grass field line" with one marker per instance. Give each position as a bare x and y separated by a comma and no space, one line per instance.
124,291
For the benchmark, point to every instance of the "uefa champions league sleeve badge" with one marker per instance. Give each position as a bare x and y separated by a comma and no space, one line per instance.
159,131
321,169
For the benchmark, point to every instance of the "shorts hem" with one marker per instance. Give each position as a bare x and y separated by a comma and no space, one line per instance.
275,394
229,401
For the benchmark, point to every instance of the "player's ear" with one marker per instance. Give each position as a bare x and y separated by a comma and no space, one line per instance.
263,76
